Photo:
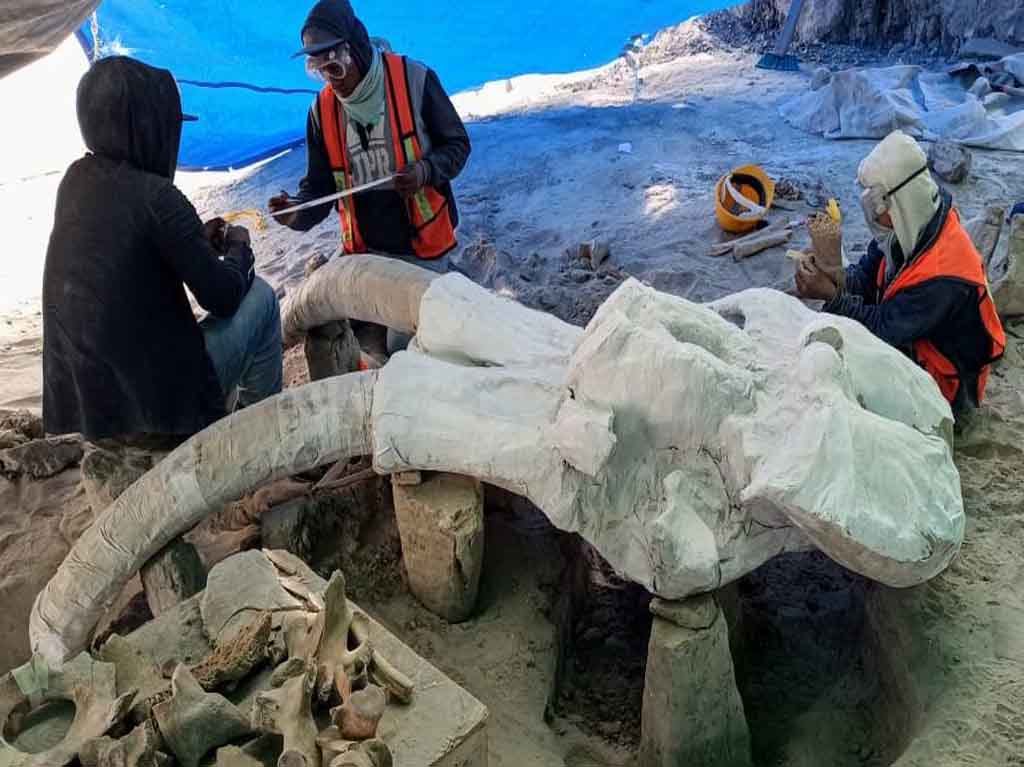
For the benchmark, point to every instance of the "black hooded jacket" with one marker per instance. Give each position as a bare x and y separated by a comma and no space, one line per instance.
122,351
382,216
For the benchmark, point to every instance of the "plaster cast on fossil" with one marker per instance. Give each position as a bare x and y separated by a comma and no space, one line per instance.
689,444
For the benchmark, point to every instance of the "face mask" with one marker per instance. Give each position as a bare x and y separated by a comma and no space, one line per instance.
873,203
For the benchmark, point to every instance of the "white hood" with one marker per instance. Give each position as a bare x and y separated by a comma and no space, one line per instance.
912,208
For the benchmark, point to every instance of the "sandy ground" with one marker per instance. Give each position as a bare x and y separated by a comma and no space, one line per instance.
561,161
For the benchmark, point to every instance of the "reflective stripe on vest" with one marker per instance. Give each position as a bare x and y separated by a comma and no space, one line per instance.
337,153
953,255
432,232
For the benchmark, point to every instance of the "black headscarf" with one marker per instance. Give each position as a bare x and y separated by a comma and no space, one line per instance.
131,112
338,18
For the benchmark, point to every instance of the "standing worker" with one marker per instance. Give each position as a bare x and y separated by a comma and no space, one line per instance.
922,286
378,114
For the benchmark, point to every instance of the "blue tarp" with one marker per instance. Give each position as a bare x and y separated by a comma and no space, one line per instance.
231,57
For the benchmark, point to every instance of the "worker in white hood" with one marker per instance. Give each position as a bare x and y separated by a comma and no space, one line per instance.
922,286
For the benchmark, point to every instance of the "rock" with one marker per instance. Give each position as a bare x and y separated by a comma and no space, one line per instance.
822,76
194,722
599,253
917,22
11,438
291,527
23,422
237,590
987,48
106,474
949,161
331,350
41,458
441,523
172,576
692,711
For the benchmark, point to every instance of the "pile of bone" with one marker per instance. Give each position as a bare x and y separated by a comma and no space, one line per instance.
128,715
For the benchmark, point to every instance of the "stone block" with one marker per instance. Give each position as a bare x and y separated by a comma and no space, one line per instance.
441,524
692,712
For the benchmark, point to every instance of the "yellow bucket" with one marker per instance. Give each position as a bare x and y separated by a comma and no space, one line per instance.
743,197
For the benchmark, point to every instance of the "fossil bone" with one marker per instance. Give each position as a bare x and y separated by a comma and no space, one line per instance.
357,718
688,443
287,711
89,684
193,722
325,643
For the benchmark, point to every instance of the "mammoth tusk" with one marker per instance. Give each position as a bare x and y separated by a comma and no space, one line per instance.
368,288
296,431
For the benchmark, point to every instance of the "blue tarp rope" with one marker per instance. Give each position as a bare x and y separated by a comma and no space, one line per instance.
233,59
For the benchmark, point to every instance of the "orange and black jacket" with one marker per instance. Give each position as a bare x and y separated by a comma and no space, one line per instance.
382,214
941,317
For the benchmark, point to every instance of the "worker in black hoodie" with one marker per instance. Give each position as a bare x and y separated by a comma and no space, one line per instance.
123,354
378,114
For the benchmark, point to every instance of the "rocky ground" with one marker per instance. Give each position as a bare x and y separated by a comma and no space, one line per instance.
833,670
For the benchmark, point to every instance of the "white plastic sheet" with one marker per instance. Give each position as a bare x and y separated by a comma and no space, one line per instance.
33,28
871,103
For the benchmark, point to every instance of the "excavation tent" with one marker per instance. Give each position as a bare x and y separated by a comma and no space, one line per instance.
232,57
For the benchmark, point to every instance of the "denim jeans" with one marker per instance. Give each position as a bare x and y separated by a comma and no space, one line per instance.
399,341
246,348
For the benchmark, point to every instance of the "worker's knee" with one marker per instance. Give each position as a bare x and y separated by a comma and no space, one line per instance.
261,306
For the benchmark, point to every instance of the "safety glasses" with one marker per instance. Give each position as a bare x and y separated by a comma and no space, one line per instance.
330,65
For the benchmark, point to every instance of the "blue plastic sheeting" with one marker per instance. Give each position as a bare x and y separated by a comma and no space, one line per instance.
231,57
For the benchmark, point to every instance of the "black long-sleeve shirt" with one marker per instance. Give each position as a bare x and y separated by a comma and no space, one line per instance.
942,310
382,214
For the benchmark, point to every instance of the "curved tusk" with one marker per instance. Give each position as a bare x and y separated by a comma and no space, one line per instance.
375,289
296,431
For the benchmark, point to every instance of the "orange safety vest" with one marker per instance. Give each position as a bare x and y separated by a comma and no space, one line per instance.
952,255
428,209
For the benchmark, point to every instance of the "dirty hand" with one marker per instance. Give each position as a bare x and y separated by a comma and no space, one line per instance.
281,202
214,230
813,283
412,178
